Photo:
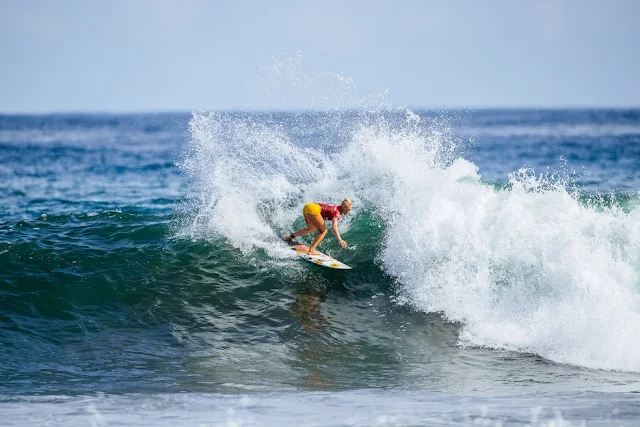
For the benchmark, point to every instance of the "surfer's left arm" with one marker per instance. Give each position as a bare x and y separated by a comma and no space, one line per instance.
334,227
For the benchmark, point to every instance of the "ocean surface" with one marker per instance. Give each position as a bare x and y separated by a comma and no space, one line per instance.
495,281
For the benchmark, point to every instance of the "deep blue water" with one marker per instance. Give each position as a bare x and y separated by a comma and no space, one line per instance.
496,274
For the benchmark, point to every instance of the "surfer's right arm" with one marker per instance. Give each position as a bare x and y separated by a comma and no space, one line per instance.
334,227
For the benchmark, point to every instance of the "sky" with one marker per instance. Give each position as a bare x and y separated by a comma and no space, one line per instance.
183,55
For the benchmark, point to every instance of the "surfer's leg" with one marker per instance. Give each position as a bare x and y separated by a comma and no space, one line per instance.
309,211
317,222
310,229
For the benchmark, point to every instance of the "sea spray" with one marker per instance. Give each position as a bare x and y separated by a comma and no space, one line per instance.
248,180
525,266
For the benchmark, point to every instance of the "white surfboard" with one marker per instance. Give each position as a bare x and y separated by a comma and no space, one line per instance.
319,258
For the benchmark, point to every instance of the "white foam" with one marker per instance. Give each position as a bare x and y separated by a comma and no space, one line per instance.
526,268
249,181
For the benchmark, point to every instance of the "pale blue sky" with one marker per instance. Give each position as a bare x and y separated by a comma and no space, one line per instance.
156,55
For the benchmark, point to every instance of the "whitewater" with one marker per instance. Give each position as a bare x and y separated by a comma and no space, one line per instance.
528,265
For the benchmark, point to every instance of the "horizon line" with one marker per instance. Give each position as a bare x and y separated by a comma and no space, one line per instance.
313,110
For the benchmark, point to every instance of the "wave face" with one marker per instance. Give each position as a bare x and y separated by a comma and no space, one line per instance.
533,265
144,253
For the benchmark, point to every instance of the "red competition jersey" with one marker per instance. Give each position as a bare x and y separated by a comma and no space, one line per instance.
329,211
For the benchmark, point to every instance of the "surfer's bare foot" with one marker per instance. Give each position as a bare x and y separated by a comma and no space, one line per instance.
289,238
314,252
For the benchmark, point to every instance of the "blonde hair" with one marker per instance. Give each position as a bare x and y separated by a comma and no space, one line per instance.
347,202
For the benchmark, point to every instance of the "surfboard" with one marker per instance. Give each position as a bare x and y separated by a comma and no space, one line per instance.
319,258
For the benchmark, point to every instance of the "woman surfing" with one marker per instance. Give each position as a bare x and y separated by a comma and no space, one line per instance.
315,214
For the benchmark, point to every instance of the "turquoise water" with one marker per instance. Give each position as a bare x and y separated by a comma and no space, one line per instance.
496,261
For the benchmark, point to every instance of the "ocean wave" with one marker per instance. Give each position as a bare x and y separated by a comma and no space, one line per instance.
533,266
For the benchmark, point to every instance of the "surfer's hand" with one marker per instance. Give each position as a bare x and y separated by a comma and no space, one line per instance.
343,243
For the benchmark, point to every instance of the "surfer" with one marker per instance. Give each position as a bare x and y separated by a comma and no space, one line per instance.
315,214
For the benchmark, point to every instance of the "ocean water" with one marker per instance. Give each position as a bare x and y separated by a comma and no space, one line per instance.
496,280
